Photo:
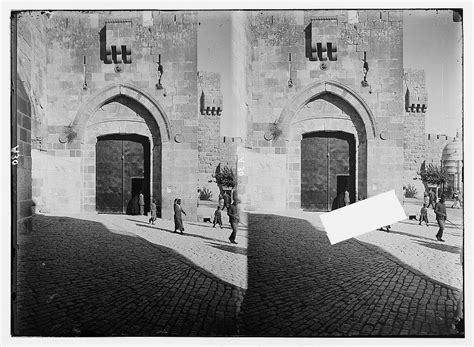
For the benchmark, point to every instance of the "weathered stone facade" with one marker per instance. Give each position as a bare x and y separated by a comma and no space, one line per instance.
294,74
416,104
307,74
434,145
30,113
210,111
106,61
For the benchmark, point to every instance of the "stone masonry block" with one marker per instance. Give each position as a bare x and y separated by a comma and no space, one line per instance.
395,16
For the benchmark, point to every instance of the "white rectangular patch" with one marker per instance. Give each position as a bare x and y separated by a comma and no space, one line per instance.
362,217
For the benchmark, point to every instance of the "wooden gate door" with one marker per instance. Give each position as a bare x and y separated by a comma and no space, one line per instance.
324,157
120,160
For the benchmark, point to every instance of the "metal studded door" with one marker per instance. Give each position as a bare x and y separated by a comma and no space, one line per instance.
326,159
121,162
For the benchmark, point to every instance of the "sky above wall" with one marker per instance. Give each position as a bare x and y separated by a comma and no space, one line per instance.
432,42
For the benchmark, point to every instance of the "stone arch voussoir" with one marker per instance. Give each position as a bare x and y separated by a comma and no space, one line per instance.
332,87
90,106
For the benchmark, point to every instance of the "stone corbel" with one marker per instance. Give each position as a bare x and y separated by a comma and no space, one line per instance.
210,105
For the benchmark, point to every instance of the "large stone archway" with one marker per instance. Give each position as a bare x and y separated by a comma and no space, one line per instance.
123,110
88,108
326,108
327,87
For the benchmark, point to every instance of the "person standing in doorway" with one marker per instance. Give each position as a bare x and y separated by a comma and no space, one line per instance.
347,199
178,218
440,211
234,219
152,212
141,203
133,207
338,201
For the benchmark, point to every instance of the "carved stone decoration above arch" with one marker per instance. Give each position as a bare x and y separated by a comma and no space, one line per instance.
314,91
90,106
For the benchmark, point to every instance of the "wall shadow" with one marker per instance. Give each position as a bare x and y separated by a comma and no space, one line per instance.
186,233
300,285
440,246
78,278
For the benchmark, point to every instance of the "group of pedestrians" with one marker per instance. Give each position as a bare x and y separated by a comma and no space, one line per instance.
224,203
232,212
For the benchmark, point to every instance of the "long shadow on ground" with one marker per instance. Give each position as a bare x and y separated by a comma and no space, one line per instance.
300,285
78,278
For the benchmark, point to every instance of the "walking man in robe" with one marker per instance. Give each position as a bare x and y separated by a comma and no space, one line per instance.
234,219
432,198
441,216
226,201
178,218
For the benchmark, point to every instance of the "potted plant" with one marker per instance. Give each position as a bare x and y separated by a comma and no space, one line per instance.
225,179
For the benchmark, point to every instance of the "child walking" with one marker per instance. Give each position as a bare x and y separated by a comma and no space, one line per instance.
424,214
217,217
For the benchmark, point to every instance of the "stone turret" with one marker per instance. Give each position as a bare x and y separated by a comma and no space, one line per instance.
416,104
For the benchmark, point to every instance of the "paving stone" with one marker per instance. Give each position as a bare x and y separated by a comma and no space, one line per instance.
113,275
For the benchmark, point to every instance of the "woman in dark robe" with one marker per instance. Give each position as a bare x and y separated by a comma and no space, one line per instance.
178,219
133,207
338,201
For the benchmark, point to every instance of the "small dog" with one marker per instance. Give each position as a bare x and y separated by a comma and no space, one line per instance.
207,219
412,217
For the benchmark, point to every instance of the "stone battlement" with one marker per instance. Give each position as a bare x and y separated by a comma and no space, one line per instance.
229,139
439,137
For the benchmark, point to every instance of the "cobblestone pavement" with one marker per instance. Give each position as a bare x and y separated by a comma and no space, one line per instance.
77,277
417,246
114,275
300,285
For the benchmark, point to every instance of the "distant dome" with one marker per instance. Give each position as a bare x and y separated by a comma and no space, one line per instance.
452,151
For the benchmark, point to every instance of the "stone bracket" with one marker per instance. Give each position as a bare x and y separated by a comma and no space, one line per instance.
322,47
416,108
211,111
116,39
210,104
416,101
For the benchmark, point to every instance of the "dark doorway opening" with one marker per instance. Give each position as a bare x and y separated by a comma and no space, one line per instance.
137,185
122,171
327,168
342,183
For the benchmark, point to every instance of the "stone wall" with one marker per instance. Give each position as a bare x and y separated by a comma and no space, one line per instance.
23,181
209,135
374,35
31,99
167,37
228,148
209,121
227,155
416,104
434,145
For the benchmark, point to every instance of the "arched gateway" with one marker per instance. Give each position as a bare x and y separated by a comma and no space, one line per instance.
121,130
327,127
